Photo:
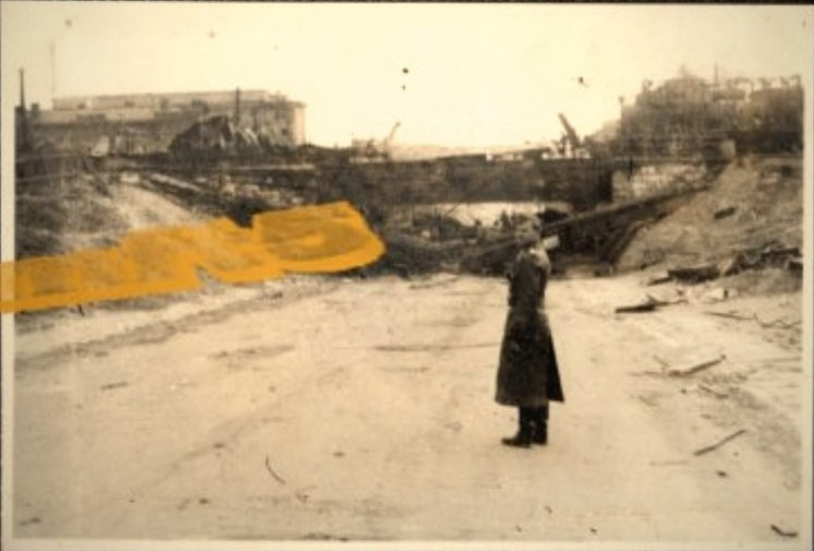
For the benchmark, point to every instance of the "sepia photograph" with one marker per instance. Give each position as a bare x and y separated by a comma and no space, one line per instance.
393,275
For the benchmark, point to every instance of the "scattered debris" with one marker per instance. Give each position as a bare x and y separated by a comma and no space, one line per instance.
770,255
694,274
302,495
642,307
277,477
658,279
720,443
695,368
648,400
660,302
111,386
434,283
781,532
715,393
650,304
719,295
724,213
732,315
776,323
32,520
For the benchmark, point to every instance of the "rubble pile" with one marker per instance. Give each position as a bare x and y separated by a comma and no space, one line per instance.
65,211
439,238
218,134
750,218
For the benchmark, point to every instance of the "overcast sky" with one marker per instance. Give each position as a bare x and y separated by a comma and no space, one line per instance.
472,75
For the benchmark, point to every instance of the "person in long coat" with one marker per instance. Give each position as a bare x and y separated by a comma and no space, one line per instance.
528,376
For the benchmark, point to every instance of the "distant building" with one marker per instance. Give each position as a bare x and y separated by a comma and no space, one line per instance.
140,123
688,115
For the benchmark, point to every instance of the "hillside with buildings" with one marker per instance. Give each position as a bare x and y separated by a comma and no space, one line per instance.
688,115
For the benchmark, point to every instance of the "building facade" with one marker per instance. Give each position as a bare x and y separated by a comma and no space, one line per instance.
146,123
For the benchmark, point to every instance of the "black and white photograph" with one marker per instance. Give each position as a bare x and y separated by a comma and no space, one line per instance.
396,275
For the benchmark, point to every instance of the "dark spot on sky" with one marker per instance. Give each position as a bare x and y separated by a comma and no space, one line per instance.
211,34
405,70
68,23
582,81
403,87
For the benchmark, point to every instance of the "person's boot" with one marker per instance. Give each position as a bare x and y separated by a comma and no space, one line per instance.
525,432
540,434
522,439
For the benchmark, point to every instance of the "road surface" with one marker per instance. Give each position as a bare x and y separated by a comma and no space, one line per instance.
347,409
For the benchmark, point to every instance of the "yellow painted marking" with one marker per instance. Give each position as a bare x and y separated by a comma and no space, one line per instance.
313,239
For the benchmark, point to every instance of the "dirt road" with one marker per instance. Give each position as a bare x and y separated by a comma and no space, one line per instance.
362,409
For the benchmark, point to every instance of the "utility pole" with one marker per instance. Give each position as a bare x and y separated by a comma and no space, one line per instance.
237,107
24,136
52,49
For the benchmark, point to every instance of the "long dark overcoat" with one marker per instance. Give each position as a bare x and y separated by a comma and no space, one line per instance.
528,375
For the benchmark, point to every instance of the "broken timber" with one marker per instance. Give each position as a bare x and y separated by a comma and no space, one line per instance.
695,274
772,254
647,306
607,231
720,443
696,368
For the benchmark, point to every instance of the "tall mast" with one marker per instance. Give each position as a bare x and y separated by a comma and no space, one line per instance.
237,107
52,49
24,130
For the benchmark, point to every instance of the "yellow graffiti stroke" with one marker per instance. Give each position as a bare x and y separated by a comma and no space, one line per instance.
313,239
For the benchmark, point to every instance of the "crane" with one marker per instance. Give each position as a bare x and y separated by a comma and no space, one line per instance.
387,141
571,134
